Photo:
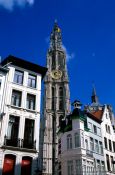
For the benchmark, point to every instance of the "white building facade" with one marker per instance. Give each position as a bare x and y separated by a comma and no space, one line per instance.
81,145
105,114
19,144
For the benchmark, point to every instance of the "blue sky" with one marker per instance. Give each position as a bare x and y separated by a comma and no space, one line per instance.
88,30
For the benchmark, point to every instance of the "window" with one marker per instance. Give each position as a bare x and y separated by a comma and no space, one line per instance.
18,77
29,133
69,141
70,168
30,101
60,120
110,146
90,126
12,132
112,165
106,116
99,131
78,167
53,61
94,129
32,81
77,140
102,168
96,146
105,142
100,148
61,105
106,128
91,144
86,144
16,98
108,163
109,130
98,167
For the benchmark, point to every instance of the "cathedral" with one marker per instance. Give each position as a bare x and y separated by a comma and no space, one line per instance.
78,142
56,100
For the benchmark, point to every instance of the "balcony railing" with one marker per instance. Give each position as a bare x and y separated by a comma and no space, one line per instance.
20,143
89,153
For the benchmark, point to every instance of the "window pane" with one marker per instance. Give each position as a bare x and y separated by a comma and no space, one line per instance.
91,144
32,81
69,141
70,167
30,102
16,98
29,133
18,77
12,131
77,140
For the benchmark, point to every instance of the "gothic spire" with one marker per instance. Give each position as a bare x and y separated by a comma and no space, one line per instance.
56,37
94,97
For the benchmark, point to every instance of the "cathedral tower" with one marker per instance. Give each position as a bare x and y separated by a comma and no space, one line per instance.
56,99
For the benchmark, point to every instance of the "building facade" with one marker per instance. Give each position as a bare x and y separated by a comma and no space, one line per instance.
19,144
80,146
105,114
56,100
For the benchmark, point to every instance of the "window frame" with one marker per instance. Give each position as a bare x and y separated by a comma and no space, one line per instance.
17,75
70,167
69,141
29,102
15,100
77,140
30,84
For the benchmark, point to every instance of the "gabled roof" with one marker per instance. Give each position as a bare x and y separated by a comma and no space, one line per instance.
24,64
96,115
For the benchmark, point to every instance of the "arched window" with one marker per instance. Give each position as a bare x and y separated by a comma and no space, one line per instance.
61,92
53,61
26,165
69,141
53,98
77,140
9,164
61,105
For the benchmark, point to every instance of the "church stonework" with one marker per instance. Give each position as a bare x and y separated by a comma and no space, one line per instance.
56,100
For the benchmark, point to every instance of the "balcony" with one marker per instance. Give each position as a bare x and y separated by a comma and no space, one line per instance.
22,144
89,153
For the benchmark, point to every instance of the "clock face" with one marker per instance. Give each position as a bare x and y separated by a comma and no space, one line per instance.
56,74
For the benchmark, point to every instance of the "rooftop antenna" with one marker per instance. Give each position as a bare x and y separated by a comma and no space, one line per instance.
6,65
